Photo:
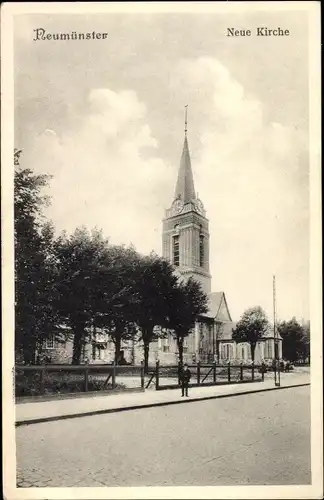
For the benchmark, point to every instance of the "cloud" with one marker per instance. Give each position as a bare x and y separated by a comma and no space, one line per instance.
106,173
254,185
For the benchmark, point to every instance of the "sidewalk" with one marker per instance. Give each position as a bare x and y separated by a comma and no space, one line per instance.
36,412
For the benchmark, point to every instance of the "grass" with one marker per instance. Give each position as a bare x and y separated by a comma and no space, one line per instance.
29,384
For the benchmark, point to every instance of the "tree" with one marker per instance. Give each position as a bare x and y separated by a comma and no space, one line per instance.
251,327
188,302
96,288
294,340
154,282
306,347
34,272
117,317
78,260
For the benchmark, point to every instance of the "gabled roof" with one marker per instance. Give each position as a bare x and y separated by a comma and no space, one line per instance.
185,189
214,301
218,307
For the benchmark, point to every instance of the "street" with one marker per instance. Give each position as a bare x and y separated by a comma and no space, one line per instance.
254,439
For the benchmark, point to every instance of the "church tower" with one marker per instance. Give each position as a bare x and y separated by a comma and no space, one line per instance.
185,226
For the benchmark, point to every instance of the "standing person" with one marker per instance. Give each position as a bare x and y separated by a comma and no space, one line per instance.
185,379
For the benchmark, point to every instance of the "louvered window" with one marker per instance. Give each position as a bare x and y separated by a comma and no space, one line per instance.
176,253
201,251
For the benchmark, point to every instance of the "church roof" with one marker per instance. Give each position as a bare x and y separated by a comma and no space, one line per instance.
185,189
214,301
217,306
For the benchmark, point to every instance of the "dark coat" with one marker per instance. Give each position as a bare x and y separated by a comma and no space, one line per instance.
185,376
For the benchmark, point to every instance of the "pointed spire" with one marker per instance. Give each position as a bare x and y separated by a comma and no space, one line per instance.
185,189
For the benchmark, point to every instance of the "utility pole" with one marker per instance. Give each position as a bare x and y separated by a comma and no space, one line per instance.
276,342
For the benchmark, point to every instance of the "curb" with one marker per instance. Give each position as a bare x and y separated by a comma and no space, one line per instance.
150,405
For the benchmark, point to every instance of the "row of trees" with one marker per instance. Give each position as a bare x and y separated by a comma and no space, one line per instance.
295,336
82,282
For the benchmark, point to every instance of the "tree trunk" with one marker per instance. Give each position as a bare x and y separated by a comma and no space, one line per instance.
253,346
29,349
146,356
78,340
133,351
117,349
180,349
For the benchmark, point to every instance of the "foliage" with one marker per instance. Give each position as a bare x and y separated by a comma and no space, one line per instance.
29,384
251,327
79,259
295,340
187,303
96,283
34,271
154,281
306,342
116,317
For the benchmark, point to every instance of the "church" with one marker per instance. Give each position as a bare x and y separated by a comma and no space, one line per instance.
185,243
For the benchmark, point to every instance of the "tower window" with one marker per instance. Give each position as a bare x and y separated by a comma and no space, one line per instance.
176,257
201,251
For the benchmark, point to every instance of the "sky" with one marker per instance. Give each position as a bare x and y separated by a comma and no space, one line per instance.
106,119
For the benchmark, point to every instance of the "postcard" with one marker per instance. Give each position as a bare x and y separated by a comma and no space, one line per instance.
161,245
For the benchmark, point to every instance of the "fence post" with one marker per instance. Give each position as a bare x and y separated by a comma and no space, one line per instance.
142,375
42,379
241,371
229,371
157,375
252,371
86,379
113,378
198,372
214,372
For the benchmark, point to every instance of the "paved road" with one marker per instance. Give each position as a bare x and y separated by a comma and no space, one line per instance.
254,439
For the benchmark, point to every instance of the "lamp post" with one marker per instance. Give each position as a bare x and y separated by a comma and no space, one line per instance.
276,339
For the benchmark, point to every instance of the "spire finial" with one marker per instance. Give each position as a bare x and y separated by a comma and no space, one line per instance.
186,118
185,184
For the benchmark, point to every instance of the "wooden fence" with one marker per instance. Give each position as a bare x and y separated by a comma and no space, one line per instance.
50,379
168,377
62,379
